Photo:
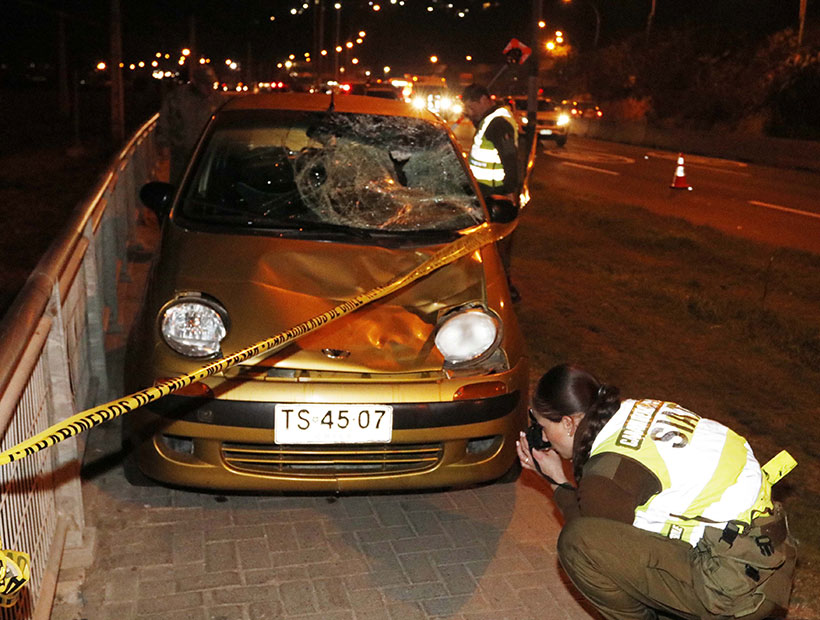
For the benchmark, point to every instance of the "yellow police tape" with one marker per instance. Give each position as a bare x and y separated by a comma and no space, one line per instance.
85,420
15,572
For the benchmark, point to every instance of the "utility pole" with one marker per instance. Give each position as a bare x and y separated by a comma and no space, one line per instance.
194,56
649,21
117,95
532,81
802,22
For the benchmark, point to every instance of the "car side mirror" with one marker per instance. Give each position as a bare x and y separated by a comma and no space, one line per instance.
157,196
503,209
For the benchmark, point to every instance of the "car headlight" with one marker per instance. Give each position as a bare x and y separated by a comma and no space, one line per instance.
524,120
563,119
419,103
467,335
194,326
457,108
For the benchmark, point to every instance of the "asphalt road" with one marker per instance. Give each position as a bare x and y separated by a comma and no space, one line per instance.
770,205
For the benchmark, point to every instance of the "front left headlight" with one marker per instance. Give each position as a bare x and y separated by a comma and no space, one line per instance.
563,119
468,335
193,326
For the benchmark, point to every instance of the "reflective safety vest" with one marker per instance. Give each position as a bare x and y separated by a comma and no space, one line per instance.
484,160
707,472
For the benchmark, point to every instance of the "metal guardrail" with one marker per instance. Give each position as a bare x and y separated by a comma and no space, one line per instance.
53,363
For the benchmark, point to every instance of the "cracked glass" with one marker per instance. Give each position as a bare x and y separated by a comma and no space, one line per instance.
309,171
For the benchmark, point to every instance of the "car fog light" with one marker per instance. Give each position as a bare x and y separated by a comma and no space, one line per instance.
193,327
467,335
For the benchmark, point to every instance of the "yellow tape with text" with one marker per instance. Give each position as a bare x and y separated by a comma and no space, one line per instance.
85,420
15,572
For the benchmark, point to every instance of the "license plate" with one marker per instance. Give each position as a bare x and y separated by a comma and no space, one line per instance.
546,132
300,423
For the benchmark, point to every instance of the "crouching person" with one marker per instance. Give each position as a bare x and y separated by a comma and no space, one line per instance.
672,515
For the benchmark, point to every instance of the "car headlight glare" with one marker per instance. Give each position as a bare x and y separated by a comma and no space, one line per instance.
563,119
419,103
193,328
467,336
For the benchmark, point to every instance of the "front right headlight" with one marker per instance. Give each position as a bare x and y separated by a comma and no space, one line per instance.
194,325
468,335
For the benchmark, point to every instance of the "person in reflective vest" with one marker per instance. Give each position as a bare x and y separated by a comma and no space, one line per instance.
494,152
662,497
494,156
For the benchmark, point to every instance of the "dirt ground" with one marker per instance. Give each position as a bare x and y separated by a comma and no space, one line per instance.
656,306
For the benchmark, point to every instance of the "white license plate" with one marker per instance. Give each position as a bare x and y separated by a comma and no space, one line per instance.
546,132
300,423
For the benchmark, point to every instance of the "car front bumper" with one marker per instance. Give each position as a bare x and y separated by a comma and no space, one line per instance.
224,444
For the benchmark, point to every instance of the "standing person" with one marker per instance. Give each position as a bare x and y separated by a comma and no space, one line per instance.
494,155
184,113
671,514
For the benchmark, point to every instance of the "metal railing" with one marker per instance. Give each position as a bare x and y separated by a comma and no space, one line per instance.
53,364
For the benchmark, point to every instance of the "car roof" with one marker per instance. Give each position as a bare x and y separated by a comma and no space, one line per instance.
316,102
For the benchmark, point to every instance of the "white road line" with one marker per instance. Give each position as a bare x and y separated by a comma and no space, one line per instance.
768,205
574,165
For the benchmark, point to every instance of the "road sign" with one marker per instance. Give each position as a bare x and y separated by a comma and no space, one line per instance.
516,52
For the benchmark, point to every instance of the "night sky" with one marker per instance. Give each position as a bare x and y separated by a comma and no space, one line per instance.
404,36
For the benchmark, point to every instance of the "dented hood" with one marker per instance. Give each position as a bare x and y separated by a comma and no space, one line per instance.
270,284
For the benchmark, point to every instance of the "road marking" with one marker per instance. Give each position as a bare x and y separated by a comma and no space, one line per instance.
595,157
698,159
768,205
574,165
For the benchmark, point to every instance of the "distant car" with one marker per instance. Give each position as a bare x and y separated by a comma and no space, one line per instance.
292,204
551,121
437,99
585,109
383,92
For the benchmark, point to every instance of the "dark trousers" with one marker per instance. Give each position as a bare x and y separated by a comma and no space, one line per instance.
629,573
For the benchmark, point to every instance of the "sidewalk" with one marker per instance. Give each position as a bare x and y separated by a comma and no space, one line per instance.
480,553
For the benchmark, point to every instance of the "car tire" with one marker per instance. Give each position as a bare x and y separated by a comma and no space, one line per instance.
512,474
561,141
130,469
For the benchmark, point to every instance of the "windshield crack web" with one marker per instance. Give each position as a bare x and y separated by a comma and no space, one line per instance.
385,173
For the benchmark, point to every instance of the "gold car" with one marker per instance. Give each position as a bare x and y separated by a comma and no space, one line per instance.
292,204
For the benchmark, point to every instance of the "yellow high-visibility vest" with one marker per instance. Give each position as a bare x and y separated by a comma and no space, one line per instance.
484,160
708,473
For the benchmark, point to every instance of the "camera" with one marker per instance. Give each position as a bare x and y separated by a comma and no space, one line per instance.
535,438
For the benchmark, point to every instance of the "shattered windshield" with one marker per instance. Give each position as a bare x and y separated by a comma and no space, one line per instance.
310,171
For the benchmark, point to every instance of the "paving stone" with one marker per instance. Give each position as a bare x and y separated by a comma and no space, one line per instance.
169,603
297,597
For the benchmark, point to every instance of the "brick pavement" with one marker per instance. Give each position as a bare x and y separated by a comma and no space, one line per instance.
156,552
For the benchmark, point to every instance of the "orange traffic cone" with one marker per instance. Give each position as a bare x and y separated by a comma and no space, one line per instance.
679,180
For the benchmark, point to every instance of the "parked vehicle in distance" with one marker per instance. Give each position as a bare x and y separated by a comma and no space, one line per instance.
584,109
551,122
291,205
437,99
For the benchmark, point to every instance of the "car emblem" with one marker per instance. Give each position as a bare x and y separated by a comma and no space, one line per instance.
336,354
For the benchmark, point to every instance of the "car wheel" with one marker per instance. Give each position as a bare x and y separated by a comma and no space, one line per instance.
512,474
130,469
561,141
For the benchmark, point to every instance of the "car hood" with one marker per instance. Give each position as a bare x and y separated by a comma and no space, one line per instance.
268,285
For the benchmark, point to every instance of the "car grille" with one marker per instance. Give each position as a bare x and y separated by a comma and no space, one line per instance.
336,460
